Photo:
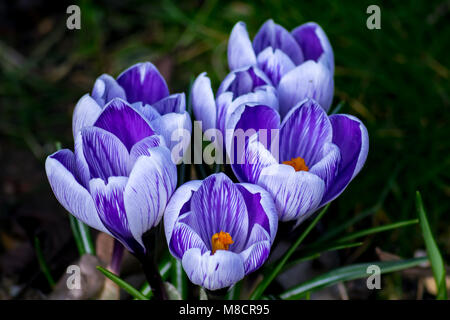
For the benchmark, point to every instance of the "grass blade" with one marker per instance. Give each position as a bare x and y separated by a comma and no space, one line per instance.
85,234
179,278
42,263
269,278
373,230
346,273
437,264
122,284
164,269
76,234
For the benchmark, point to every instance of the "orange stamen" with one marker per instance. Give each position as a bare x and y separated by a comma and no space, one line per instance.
297,163
221,241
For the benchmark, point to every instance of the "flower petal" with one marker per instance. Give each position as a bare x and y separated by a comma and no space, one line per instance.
352,139
255,157
244,80
240,49
327,168
275,64
108,199
203,104
257,253
72,195
85,113
185,238
150,185
173,103
179,203
174,127
220,270
143,147
143,82
309,80
295,193
105,89
219,206
315,44
304,131
261,211
100,154
124,122
244,122
273,35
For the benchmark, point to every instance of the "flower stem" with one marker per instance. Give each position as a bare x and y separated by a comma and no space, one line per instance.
151,270
153,277
116,258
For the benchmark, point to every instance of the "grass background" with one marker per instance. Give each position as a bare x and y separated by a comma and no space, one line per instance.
396,80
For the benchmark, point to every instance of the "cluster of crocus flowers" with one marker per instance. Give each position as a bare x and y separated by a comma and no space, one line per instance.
121,179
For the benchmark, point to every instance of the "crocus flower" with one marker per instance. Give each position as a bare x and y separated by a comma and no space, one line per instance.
245,85
120,177
221,231
145,89
300,64
309,163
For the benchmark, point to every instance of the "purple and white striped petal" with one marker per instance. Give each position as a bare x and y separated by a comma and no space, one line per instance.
147,112
143,82
295,193
176,129
105,89
220,270
109,201
315,44
275,64
183,239
261,211
72,195
244,80
124,122
273,35
203,104
255,157
328,167
309,80
219,206
258,252
143,147
85,114
99,154
150,185
173,103
304,131
246,120
179,203
352,139
240,49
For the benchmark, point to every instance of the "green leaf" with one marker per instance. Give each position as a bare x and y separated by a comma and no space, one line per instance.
437,264
338,108
122,284
259,290
347,273
42,263
235,292
373,230
85,234
179,278
76,234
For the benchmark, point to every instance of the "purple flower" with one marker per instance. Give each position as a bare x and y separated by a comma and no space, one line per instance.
310,162
300,64
146,91
120,177
220,230
242,86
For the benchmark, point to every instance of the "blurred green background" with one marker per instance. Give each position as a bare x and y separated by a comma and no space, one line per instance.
396,80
